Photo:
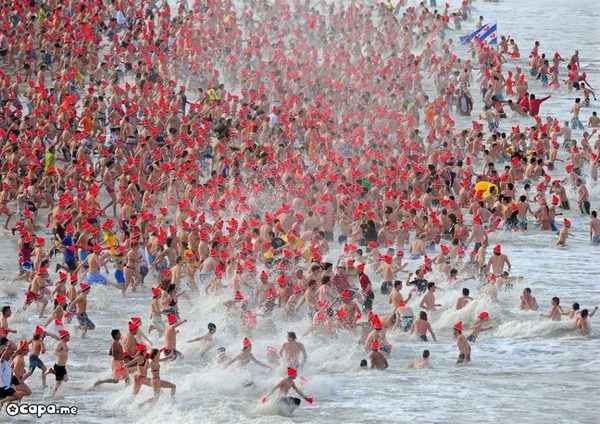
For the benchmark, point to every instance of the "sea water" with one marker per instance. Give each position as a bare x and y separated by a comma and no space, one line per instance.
527,370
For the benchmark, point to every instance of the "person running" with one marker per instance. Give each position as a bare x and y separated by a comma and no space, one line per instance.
119,372
61,353
155,381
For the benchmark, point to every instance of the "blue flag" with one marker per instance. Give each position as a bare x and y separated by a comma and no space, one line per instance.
486,34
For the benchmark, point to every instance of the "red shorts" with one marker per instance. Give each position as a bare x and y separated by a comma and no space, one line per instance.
31,297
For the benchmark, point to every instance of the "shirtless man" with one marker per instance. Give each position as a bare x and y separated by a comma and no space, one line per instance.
422,362
583,197
94,262
464,348
428,301
497,261
291,350
246,356
462,301
377,335
528,302
420,327
37,349
396,296
477,326
284,387
206,339
555,310
18,371
80,302
478,233
581,323
4,327
376,358
170,334
119,372
4,199
404,316
61,353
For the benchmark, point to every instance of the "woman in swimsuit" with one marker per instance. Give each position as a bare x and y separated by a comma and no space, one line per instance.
156,382
169,301
141,362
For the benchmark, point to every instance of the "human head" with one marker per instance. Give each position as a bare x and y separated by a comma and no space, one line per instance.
425,354
115,334
465,292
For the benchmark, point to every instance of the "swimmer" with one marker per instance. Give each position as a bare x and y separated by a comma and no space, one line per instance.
555,310
422,362
284,386
581,323
212,329
528,302
428,301
404,316
462,301
477,327
291,350
464,348
246,356
377,359
420,327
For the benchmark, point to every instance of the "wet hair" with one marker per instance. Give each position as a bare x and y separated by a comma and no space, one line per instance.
363,363
575,306
153,353
423,315
425,354
221,349
556,299
430,285
584,313
397,283
291,335
211,326
527,289
465,292
5,309
114,333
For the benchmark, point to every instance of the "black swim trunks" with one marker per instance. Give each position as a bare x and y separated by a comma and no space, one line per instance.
6,392
424,337
291,401
60,371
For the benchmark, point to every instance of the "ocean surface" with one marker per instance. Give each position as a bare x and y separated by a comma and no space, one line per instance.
526,370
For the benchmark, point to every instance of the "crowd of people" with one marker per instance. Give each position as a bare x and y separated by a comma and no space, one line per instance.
285,154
